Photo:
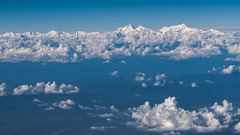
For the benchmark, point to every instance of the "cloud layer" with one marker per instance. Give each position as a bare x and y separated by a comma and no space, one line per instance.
178,42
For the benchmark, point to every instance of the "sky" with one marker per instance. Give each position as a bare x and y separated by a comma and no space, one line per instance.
107,15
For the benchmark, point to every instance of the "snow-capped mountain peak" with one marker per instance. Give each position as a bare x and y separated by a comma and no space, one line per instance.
127,28
140,27
216,32
178,28
9,35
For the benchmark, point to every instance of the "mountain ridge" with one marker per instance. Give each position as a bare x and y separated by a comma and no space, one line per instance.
129,27
177,42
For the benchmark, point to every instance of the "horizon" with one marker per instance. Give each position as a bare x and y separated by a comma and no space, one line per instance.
221,29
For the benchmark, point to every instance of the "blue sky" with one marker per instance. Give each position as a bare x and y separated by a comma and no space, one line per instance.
107,15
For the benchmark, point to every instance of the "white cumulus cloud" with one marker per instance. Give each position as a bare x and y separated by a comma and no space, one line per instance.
193,84
47,88
67,104
160,80
237,127
167,117
228,70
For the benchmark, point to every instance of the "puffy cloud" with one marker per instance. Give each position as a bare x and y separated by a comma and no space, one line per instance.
228,70
48,88
123,61
160,80
84,107
37,100
222,109
140,77
193,85
65,104
225,70
167,117
109,119
114,73
144,85
113,108
2,89
237,127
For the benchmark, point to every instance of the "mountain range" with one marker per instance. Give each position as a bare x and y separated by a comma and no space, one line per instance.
176,42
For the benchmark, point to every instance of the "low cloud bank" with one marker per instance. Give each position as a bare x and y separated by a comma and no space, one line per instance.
177,42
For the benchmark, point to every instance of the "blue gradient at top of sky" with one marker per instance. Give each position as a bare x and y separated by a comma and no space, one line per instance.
107,15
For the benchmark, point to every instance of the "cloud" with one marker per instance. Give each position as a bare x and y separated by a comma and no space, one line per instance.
123,61
48,88
2,89
113,108
209,81
228,70
214,70
49,108
160,80
181,82
106,115
114,73
140,77
237,127
64,104
231,69
225,70
222,109
84,107
107,61
193,85
144,85
101,128
37,100
97,107
167,117
67,104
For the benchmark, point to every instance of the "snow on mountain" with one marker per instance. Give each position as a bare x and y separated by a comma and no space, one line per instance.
177,42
